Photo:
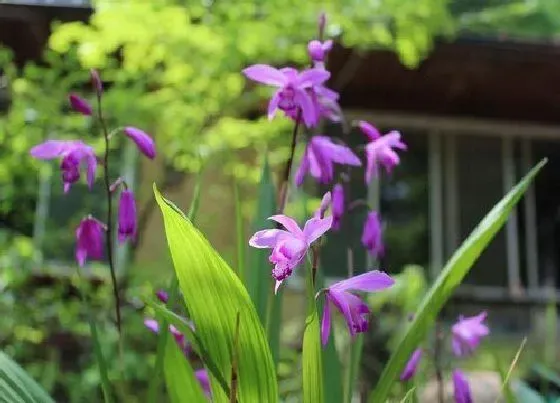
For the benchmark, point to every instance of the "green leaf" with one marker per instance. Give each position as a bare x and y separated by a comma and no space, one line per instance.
181,382
214,295
173,292
353,367
525,394
17,386
448,280
506,387
240,236
99,357
332,372
312,365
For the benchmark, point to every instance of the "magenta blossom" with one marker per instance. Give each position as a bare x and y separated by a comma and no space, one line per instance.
372,235
96,82
468,333
162,296
292,95
74,154
412,365
318,50
380,150
324,206
320,156
143,141
354,310
461,389
289,246
337,205
80,105
127,216
204,381
179,337
89,240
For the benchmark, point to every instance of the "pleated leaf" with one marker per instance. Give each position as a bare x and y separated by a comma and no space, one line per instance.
312,362
214,295
16,386
449,279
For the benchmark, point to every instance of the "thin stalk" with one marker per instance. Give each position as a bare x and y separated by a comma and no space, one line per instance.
240,233
288,168
109,237
437,361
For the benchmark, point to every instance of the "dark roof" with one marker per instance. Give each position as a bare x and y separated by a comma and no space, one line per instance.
479,78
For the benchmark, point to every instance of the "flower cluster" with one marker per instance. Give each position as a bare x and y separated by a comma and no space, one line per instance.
75,156
466,335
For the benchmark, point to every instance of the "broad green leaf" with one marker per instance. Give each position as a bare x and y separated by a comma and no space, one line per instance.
240,235
214,295
173,292
448,280
100,358
525,394
353,367
17,386
312,365
179,375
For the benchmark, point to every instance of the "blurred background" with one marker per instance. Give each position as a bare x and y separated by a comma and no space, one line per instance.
473,85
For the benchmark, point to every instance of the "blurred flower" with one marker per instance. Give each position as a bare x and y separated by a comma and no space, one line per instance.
325,203
289,246
202,378
380,149
127,216
412,365
318,50
468,333
79,104
89,240
354,310
179,337
337,205
96,81
322,22
292,95
461,387
319,158
73,153
143,141
162,296
372,237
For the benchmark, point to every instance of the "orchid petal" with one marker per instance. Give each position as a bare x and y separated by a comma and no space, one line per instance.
265,74
315,228
51,149
369,130
289,223
371,281
267,238
326,323
311,77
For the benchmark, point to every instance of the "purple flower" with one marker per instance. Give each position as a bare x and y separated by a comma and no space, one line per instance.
143,141
318,50
79,104
354,310
337,205
292,93
74,153
319,158
467,333
411,365
162,296
204,381
372,235
325,203
380,149
89,240
461,388
96,81
289,246
127,216
179,337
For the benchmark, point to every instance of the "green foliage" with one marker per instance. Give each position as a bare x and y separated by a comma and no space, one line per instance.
312,363
17,386
214,296
450,277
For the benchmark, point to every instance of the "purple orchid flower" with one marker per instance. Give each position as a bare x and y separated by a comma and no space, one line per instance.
96,82
289,246
320,156
380,150
468,333
89,240
354,310
143,141
74,154
411,366
162,296
127,216
179,337
292,93
204,381
323,207
79,104
318,50
372,235
461,389
337,205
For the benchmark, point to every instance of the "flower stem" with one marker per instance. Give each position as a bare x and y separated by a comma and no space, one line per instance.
109,237
288,168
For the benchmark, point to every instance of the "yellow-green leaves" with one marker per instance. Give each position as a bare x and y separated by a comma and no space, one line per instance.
214,295
451,276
